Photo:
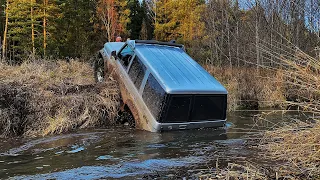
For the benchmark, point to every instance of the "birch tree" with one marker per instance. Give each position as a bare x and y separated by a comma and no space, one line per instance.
114,17
108,15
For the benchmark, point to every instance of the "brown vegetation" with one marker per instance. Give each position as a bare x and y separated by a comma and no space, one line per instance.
41,98
236,171
250,89
293,149
297,147
298,144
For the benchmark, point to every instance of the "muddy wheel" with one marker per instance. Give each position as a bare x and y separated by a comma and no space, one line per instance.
99,71
126,117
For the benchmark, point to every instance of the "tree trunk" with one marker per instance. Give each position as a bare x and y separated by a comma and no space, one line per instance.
4,44
45,3
109,24
238,60
32,29
228,38
257,39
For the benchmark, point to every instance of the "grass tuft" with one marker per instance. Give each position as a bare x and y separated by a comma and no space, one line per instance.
297,146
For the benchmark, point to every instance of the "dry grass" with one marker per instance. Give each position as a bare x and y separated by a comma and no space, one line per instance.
249,89
297,147
236,172
41,98
294,148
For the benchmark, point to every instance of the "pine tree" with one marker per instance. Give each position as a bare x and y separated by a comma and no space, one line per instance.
27,30
144,32
136,18
147,27
74,29
21,29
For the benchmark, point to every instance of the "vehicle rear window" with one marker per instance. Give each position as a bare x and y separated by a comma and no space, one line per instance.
211,107
179,109
154,96
194,108
136,72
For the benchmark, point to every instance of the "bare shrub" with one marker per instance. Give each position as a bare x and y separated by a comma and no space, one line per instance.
249,89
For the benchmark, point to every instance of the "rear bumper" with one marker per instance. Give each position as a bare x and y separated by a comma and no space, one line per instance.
189,125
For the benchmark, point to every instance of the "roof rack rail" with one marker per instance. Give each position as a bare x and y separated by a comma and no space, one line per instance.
159,42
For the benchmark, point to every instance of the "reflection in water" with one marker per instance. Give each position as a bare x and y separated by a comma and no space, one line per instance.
127,153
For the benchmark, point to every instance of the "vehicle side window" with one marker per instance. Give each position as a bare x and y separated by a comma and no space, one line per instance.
125,56
136,72
154,96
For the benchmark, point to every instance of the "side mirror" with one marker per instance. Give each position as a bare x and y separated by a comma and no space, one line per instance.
114,54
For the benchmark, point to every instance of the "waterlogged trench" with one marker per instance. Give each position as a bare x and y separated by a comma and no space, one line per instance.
131,154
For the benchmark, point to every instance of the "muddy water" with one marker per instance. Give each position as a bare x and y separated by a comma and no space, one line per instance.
130,154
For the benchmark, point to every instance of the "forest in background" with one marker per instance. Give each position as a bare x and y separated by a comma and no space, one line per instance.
215,32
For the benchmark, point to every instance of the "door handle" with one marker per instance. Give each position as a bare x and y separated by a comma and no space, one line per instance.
182,127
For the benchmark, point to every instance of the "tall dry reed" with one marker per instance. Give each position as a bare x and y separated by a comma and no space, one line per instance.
296,146
293,149
249,89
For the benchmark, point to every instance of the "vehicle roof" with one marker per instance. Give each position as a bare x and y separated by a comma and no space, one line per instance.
177,72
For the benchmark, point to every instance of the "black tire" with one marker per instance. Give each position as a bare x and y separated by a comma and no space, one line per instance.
99,71
126,117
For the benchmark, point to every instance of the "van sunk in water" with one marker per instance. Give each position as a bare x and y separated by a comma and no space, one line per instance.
164,88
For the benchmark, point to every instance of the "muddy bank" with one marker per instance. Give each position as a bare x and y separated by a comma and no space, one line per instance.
42,98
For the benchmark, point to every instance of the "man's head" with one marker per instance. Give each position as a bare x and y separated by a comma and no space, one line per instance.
118,39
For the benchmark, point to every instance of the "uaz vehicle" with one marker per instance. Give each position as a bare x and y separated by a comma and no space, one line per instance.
164,88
